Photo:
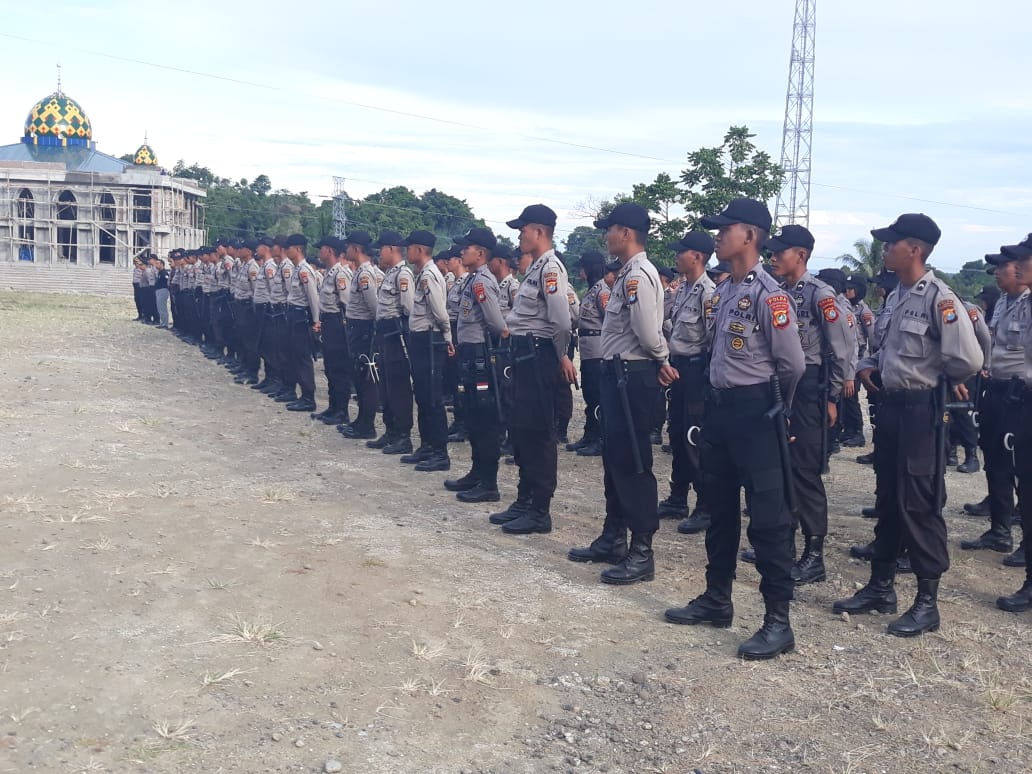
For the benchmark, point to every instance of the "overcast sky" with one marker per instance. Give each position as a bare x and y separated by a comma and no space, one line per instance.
914,98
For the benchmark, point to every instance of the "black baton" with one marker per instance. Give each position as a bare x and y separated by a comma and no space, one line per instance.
625,401
778,413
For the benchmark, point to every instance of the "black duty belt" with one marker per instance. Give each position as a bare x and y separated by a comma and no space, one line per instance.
906,397
523,342
585,333
682,361
726,396
297,311
630,366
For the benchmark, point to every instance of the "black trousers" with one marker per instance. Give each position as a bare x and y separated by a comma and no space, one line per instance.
246,335
811,498
274,339
563,405
591,389
1000,413
686,407
150,303
1023,469
451,379
428,352
740,449
476,390
299,364
209,310
221,320
336,360
963,432
631,497
536,387
360,344
850,415
138,300
395,377
904,465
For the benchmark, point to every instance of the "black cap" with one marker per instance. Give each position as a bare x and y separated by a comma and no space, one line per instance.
747,211
913,225
329,241
360,238
885,279
1018,252
481,237
667,273
699,241
989,293
267,241
721,267
614,267
444,255
856,281
297,240
424,238
389,239
250,244
791,235
538,214
627,214
501,251
279,240
834,277
592,258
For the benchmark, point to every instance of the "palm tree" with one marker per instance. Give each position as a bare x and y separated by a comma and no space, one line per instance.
869,258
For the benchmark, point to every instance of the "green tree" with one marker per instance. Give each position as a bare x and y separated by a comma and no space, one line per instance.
261,185
869,258
969,281
662,198
734,169
449,216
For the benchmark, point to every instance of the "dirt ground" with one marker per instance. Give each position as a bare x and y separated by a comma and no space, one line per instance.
192,579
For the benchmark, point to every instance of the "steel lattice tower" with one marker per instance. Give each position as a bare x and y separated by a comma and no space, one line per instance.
340,219
793,205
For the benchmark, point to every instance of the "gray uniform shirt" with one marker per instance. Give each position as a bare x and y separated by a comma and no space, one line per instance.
430,303
690,333
826,328
263,282
633,323
362,293
455,295
542,306
137,275
1011,320
507,293
864,326
982,332
929,333
280,286
394,298
149,278
247,280
329,299
592,313
755,335
209,278
478,308
304,289
343,282
224,272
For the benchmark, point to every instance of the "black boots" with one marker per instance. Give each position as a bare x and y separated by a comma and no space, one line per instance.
810,568
437,461
302,404
483,492
519,507
923,615
970,463
469,481
609,548
980,508
382,442
997,538
530,521
713,607
674,507
698,522
420,454
637,566
402,444
774,637
878,594
1019,601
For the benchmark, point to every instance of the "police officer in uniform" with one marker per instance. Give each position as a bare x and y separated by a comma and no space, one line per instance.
929,336
479,320
393,308
829,347
361,314
262,297
756,363
690,341
243,300
1021,600
429,345
589,337
459,276
998,415
634,355
332,292
302,321
850,415
281,331
539,328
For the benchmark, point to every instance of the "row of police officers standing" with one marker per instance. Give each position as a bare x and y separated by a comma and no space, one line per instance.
754,369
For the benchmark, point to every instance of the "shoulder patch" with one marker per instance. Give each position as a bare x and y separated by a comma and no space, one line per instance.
631,288
363,282
403,283
868,318
948,311
571,297
828,309
973,314
551,280
480,292
779,309
342,281
288,270
303,276
603,298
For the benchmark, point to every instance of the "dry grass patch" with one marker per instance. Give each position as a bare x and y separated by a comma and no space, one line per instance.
255,632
